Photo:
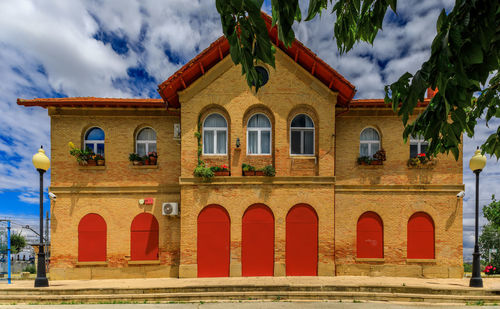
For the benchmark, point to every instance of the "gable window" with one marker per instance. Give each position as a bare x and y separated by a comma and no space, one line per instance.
417,145
215,135
145,142
369,142
94,140
259,135
302,135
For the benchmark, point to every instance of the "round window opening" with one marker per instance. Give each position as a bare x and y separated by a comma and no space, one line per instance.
263,75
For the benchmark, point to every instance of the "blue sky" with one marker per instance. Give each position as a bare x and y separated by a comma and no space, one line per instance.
126,48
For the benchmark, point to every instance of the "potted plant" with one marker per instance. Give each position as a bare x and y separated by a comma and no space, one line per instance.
259,172
145,160
153,157
91,161
221,170
269,170
82,156
248,170
135,159
421,160
203,172
99,159
380,155
364,160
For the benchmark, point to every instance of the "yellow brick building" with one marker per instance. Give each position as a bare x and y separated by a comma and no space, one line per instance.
324,212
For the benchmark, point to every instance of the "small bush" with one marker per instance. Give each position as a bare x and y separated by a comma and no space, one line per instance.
30,269
269,170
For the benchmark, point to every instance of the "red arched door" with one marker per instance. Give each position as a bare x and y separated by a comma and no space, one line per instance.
370,236
213,242
144,238
302,241
420,236
92,239
257,242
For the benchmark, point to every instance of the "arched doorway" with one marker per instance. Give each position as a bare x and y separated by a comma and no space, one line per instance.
144,238
420,240
257,242
370,236
213,242
302,241
92,239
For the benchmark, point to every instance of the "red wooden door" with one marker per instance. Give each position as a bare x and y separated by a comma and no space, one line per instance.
302,241
370,236
257,242
92,239
213,242
420,237
144,238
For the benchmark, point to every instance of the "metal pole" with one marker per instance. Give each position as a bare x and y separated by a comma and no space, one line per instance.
476,281
41,278
9,266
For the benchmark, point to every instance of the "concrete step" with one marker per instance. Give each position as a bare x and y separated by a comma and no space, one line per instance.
249,296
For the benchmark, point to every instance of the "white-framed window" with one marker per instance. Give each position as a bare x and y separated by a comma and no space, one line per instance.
302,135
94,140
417,145
259,135
145,141
215,135
369,142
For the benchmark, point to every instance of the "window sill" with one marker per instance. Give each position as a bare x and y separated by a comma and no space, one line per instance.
420,260
96,263
145,262
370,259
303,157
144,166
371,165
87,167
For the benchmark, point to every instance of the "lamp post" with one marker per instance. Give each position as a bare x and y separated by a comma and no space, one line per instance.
42,164
476,164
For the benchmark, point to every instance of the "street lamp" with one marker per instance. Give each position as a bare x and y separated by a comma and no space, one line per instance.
42,164
476,164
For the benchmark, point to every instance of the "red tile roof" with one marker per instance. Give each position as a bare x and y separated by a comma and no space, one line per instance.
379,103
94,102
208,58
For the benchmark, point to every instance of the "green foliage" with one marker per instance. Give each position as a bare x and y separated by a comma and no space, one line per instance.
203,172
247,167
134,157
17,243
467,267
465,52
365,159
492,212
269,170
30,269
81,155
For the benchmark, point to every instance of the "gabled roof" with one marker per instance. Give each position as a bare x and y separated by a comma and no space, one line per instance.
219,49
94,102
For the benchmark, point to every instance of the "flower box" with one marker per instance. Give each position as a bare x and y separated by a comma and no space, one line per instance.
221,173
248,173
100,162
259,173
91,162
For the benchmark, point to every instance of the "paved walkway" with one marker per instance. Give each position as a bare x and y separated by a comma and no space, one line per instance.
489,283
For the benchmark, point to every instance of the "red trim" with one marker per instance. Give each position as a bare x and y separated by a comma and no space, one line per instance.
219,49
93,102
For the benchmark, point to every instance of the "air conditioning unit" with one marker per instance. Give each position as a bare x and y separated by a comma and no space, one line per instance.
170,209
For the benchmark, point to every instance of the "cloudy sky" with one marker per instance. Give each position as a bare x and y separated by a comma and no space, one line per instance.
125,48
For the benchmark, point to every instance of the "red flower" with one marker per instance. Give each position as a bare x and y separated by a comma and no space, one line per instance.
421,154
224,166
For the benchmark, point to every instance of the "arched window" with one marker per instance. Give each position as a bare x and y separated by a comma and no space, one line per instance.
302,135
215,135
94,140
259,135
420,240
144,238
369,142
370,236
145,141
92,239
417,145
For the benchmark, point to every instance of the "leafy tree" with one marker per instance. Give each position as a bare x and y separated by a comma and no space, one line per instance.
490,236
17,243
465,53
